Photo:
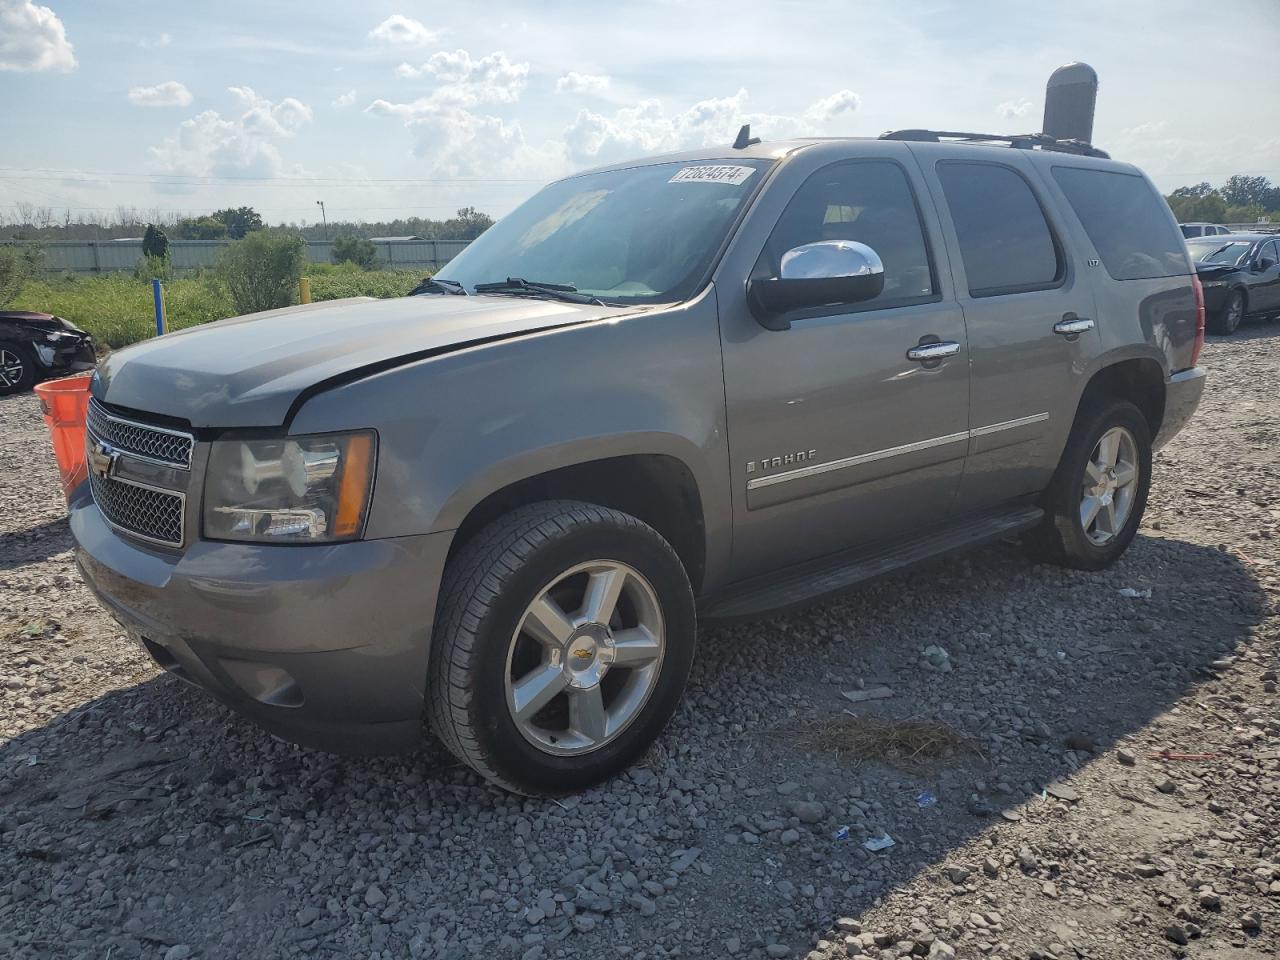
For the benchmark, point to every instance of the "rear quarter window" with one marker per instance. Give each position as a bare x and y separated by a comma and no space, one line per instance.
1127,221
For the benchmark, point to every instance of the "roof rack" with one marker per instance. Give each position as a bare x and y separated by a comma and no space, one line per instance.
1019,141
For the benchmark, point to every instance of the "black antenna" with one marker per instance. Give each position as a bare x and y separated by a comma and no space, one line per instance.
745,139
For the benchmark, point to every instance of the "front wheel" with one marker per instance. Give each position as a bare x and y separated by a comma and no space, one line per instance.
17,369
1097,496
562,646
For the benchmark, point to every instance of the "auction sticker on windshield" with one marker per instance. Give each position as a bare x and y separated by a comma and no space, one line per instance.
713,173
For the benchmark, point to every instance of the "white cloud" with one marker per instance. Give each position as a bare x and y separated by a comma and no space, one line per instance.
146,43
459,142
168,94
839,104
456,142
346,99
1013,109
467,81
403,31
648,128
592,83
33,38
210,144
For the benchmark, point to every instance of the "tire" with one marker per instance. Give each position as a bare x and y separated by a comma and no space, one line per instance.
16,356
1227,320
1064,538
485,657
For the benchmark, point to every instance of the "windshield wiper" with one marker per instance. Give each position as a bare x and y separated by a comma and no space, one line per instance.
439,285
557,291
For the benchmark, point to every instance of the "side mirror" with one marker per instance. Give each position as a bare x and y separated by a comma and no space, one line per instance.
1264,263
814,275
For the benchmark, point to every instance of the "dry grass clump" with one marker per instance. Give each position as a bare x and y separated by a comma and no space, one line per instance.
907,744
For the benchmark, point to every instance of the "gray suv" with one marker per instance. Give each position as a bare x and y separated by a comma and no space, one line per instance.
709,384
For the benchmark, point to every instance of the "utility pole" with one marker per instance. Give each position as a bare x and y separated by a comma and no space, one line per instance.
324,219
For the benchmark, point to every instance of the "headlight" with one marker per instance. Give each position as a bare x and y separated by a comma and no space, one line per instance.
300,489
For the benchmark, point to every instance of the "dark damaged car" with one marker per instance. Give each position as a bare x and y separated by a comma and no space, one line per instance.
37,346
1241,278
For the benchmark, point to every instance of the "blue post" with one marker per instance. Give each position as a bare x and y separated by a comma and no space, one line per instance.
158,297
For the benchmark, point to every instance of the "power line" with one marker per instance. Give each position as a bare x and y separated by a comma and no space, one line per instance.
89,176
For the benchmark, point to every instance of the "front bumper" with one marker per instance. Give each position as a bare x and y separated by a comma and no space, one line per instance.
1215,296
324,645
67,355
1181,398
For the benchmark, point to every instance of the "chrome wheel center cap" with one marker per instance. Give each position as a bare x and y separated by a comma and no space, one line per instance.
588,656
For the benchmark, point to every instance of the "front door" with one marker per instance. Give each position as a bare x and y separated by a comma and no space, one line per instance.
1029,311
838,439
1264,292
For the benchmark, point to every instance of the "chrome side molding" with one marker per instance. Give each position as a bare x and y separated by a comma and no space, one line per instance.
845,462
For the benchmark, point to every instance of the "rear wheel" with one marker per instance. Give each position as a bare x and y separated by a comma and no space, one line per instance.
17,369
1097,496
562,647
1228,319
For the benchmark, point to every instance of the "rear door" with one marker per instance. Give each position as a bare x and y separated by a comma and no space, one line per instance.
837,438
1029,315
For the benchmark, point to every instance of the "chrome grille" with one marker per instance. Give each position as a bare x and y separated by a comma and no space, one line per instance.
145,512
158,444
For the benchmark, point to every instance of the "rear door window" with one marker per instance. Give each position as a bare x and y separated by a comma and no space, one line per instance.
1005,240
1127,221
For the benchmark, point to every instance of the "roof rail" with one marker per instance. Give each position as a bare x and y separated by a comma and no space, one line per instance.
1019,141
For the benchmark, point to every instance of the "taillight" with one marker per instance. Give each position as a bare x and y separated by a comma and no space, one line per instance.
1199,294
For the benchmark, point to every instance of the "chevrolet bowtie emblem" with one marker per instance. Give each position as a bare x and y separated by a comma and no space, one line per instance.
102,459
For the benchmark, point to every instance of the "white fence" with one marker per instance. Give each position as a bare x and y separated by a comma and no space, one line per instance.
108,256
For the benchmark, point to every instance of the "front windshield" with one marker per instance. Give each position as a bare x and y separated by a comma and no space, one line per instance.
1215,251
640,235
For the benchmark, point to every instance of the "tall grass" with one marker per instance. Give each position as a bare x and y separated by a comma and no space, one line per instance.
117,308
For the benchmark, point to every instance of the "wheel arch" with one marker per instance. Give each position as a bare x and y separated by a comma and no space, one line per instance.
1138,379
659,488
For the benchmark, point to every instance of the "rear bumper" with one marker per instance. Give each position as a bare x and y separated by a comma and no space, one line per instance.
325,646
1181,398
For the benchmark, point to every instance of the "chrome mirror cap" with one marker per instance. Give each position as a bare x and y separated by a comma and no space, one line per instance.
825,259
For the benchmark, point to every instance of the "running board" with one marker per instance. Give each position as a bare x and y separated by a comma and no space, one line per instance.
816,578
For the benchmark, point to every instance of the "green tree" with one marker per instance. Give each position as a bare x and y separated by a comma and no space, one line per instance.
467,225
1242,190
1250,213
354,250
1206,209
155,243
201,228
238,220
19,262
1194,192
262,270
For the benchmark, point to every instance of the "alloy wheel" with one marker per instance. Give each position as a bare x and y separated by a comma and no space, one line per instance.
11,369
585,658
1110,485
1235,312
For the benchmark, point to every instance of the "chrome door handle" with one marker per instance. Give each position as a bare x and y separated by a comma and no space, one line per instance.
933,351
1071,325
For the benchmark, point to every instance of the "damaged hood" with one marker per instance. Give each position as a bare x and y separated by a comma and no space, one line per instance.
248,371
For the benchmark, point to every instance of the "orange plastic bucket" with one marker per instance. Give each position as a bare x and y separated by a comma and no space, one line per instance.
65,403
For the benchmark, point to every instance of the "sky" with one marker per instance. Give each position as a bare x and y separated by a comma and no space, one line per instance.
415,109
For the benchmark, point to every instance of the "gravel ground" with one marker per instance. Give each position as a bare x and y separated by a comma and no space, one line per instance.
1030,812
